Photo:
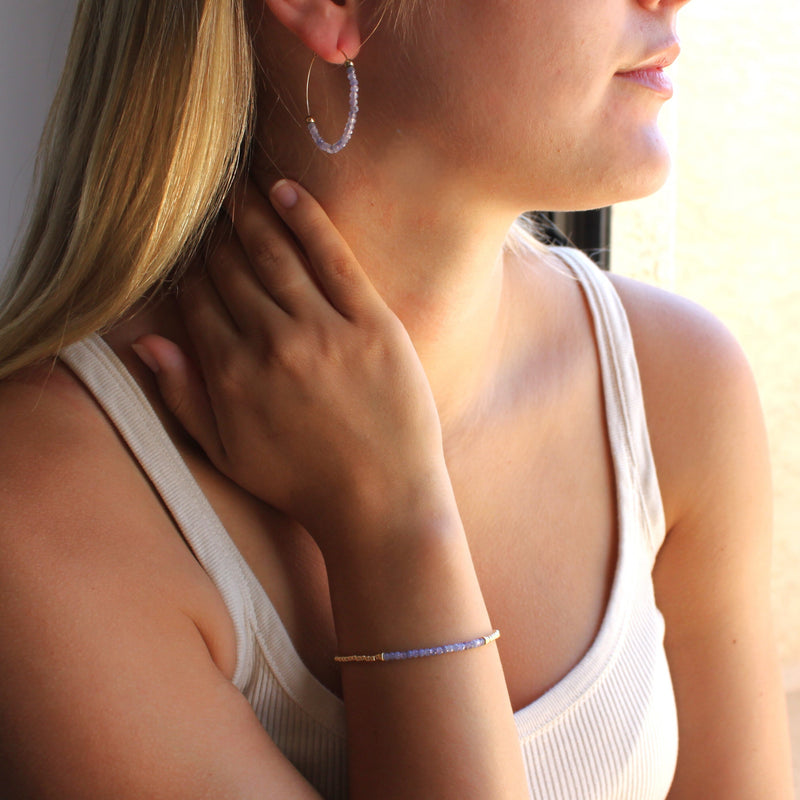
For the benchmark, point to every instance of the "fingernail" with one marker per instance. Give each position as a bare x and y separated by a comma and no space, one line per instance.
284,194
145,355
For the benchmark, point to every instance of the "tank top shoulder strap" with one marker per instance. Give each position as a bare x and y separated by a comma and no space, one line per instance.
120,397
266,660
625,411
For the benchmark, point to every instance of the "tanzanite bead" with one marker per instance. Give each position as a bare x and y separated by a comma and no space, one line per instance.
349,127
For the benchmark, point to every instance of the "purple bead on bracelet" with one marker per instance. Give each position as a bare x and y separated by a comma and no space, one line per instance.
424,652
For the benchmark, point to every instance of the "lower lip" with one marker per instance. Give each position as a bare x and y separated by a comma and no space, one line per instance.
654,79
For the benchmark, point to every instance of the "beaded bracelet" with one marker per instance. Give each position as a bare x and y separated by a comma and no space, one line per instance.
403,655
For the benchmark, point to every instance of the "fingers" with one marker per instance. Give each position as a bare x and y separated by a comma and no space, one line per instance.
250,307
207,319
182,389
272,253
342,279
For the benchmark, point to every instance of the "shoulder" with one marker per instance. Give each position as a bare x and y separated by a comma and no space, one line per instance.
115,648
58,450
659,317
700,396
80,520
712,575
670,330
54,439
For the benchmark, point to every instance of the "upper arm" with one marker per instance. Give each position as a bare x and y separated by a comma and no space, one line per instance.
112,684
712,575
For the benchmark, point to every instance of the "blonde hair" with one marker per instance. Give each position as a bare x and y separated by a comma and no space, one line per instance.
150,120
401,14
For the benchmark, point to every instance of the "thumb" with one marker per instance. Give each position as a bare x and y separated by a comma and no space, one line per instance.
182,389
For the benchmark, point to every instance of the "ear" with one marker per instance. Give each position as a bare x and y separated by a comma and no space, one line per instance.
328,27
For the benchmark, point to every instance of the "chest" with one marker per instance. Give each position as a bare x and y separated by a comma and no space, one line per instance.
535,489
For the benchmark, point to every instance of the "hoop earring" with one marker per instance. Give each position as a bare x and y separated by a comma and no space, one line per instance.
326,147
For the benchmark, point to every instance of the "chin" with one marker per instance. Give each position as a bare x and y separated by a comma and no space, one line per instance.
646,163
620,186
639,171
615,169
649,175
642,184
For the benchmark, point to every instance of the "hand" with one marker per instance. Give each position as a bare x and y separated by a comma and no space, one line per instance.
310,394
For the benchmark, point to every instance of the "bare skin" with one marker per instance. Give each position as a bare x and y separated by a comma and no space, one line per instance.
524,499
721,658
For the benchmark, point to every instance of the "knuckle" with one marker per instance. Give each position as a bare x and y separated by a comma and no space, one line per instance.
292,288
292,354
340,269
315,228
177,400
266,255
230,379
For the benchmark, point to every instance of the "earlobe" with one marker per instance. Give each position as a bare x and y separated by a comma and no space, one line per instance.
327,27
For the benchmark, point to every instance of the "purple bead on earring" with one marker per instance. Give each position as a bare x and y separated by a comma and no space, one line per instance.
326,147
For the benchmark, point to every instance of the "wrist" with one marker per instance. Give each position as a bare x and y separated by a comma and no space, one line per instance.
377,508
382,532
415,590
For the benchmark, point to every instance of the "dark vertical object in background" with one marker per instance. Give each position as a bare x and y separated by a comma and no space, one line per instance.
589,231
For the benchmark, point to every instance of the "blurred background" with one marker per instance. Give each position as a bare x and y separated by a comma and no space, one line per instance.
723,231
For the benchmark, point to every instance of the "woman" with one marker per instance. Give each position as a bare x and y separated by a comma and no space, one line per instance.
414,427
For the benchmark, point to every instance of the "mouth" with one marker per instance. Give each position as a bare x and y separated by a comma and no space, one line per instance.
649,73
658,59
653,78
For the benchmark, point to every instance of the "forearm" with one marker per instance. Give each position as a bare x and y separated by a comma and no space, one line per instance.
440,726
320,407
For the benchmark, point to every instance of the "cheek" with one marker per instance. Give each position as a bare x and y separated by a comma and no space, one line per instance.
536,104
586,157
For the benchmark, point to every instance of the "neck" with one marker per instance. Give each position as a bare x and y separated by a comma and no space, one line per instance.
434,253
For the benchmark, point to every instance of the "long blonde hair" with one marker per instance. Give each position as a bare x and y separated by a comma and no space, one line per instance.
151,117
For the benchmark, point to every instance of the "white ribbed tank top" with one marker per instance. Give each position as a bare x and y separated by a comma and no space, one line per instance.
606,731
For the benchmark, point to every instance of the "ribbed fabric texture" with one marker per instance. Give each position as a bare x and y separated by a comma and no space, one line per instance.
606,731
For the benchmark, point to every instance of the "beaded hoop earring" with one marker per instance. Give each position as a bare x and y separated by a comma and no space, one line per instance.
326,147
